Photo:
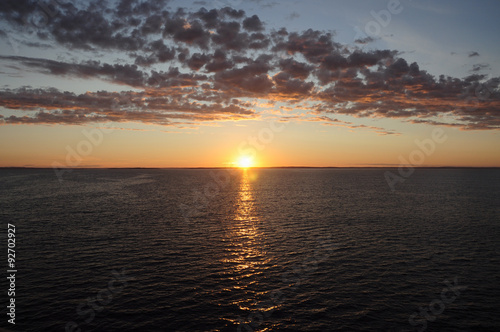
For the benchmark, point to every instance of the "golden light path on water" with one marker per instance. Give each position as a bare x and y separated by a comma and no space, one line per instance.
247,256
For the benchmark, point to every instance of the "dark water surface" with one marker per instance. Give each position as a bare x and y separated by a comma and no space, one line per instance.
255,250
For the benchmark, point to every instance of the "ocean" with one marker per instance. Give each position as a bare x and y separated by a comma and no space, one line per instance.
252,250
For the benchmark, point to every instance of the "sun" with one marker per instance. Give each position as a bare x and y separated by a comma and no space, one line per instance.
245,162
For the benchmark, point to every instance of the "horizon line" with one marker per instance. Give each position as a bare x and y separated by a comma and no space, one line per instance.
255,167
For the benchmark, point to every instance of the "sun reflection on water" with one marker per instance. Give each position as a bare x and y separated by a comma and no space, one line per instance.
245,205
245,257
244,249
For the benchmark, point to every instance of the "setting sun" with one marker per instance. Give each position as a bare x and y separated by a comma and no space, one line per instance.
245,162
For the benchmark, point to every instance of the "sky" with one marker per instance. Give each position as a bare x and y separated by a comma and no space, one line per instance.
223,83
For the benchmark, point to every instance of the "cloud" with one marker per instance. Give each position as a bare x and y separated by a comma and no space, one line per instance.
117,73
219,62
314,45
253,23
204,65
365,40
480,66
296,69
51,106
327,121
472,54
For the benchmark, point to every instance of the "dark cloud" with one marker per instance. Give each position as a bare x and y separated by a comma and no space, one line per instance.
367,59
233,13
314,45
191,33
174,78
365,40
210,18
228,36
471,54
197,61
287,85
253,23
17,10
252,77
295,69
153,24
258,41
91,28
157,52
219,62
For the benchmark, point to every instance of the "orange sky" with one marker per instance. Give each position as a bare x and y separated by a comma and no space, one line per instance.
283,85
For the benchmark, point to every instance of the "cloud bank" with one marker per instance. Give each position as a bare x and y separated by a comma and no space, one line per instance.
193,66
